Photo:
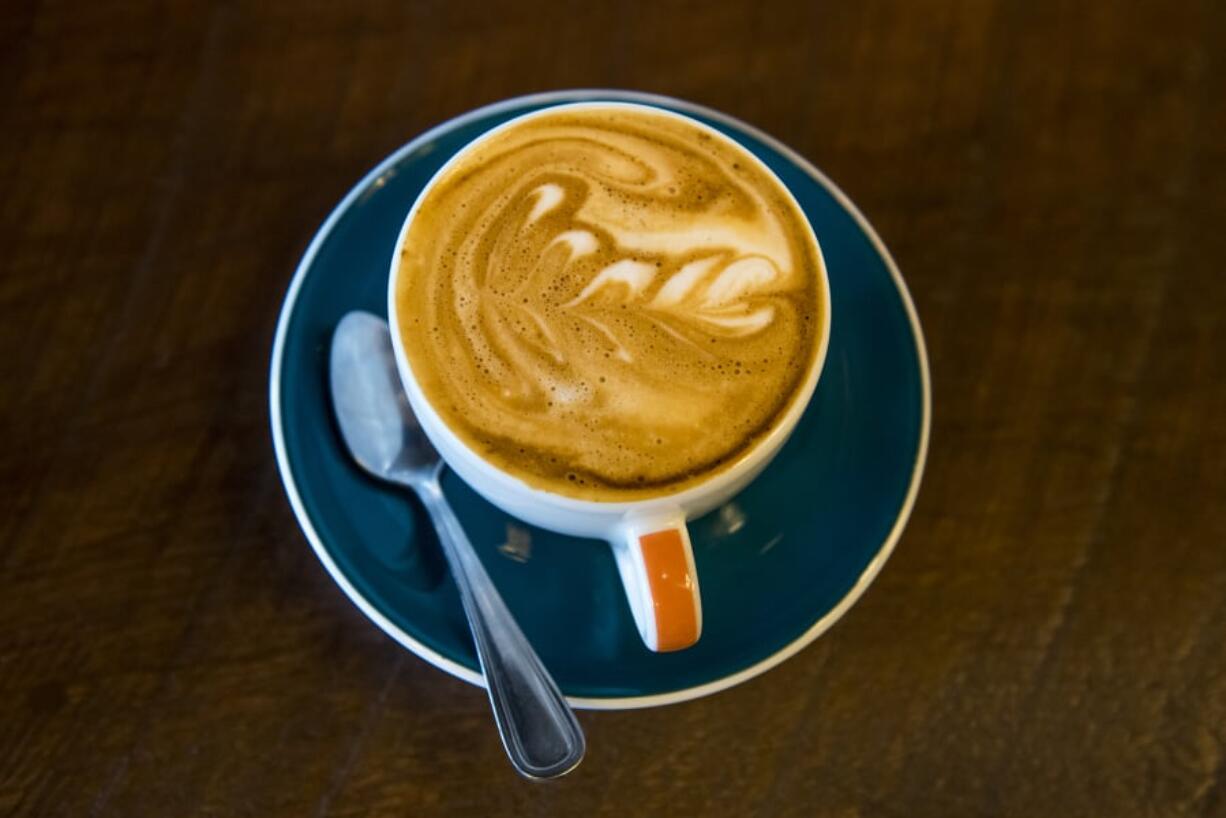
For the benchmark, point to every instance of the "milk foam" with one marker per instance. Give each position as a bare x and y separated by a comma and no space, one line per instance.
609,303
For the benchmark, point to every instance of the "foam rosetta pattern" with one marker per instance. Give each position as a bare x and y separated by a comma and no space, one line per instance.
609,303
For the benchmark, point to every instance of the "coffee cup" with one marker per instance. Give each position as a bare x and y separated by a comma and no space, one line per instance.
646,526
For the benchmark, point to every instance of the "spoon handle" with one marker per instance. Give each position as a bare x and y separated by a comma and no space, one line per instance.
538,728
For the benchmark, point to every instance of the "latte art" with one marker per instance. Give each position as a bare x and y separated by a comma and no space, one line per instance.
608,303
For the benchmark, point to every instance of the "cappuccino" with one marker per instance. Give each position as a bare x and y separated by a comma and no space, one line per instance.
608,303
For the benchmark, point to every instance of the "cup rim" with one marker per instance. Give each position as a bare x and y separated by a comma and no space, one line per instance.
745,463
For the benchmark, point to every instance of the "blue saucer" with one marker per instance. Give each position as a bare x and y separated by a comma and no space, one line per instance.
778,565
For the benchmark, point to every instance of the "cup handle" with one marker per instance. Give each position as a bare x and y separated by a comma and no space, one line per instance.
656,564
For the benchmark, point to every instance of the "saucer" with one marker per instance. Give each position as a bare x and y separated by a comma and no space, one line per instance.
779,564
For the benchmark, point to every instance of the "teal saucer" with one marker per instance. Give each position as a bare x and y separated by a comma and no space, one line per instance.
778,565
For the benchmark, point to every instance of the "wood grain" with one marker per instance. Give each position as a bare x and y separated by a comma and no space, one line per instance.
1048,639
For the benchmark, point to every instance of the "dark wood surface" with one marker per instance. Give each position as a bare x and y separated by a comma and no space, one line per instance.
1049,638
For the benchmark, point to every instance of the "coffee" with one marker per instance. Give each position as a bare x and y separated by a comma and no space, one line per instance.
609,303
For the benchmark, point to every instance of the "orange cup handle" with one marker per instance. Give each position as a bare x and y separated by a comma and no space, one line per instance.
657,567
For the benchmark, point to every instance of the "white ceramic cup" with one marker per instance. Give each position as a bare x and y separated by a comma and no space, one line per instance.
650,541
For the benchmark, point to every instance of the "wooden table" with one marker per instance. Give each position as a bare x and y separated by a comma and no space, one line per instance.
1050,636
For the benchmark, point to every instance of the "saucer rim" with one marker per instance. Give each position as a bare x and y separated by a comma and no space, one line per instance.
821,625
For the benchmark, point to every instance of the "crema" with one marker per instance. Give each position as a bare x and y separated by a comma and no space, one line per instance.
608,303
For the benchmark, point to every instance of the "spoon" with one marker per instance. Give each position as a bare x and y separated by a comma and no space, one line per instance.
538,728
